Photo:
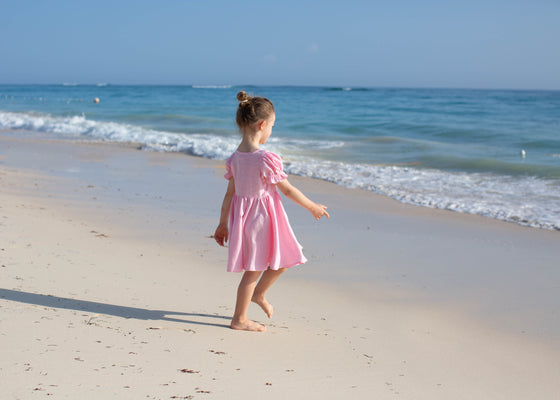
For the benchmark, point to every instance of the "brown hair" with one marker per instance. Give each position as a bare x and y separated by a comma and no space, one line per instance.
252,109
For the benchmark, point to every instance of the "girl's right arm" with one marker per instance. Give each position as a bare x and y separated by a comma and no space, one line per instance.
222,233
294,194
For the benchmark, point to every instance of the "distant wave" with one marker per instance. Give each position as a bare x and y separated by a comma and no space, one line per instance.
346,89
211,86
71,84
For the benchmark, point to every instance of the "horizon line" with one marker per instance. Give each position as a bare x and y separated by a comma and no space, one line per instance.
229,86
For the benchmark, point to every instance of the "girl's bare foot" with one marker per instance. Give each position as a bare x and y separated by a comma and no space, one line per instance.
265,305
247,325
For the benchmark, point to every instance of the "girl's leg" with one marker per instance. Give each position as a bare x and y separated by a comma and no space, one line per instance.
244,295
267,279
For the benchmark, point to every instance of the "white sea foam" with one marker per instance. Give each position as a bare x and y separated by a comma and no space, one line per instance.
526,200
209,146
307,145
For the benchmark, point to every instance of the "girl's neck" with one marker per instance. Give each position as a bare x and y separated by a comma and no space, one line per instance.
250,142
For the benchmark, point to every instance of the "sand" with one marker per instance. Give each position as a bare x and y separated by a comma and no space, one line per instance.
110,287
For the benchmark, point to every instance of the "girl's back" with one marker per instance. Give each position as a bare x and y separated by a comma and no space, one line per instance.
254,173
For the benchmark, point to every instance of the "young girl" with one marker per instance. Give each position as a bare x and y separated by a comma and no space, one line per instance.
261,241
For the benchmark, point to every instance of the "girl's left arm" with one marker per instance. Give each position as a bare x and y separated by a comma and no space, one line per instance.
222,233
294,194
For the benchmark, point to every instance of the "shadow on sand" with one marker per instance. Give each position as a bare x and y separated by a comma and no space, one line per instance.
107,309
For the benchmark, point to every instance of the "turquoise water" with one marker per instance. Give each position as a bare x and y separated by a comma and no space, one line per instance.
489,152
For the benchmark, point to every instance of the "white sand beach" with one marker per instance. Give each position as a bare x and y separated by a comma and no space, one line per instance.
110,287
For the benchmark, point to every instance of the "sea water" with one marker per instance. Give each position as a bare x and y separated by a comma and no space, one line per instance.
494,153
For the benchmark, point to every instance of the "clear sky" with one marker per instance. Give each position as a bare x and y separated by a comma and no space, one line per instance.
400,43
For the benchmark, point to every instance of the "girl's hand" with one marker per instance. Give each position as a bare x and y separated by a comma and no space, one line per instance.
318,210
221,235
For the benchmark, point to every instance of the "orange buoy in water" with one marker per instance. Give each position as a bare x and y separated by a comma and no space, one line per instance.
96,100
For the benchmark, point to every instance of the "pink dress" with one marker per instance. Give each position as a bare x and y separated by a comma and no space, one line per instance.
260,236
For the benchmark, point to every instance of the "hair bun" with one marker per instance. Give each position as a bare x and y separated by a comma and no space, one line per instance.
242,96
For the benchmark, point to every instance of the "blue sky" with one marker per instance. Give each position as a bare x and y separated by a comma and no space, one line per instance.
458,44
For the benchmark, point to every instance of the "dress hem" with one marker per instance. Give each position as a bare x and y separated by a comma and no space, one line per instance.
269,267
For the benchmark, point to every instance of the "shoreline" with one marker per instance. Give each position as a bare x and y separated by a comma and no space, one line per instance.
30,135
395,298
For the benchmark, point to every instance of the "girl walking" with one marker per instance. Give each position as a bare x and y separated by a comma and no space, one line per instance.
261,241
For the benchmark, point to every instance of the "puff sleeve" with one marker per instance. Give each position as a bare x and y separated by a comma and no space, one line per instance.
229,174
273,169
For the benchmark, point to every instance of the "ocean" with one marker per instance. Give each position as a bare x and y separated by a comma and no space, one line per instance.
494,153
